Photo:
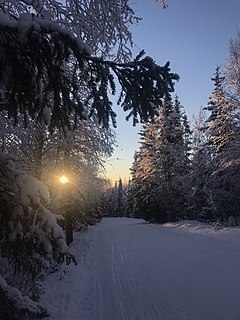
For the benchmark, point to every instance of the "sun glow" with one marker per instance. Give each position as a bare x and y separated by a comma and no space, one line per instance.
63,179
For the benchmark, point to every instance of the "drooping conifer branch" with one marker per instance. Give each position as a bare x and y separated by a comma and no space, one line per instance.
38,57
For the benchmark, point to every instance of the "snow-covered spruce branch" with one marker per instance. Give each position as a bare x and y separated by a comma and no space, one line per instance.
38,56
104,24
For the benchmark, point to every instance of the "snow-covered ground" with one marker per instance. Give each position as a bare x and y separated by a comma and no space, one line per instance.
130,270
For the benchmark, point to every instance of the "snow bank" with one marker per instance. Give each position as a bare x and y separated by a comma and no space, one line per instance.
198,227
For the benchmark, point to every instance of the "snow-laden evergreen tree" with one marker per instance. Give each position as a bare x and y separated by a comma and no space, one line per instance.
220,179
232,72
115,200
197,203
161,163
129,199
199,135
121,198
134,188
143,175
120,206
224,133
183,136
173,160
220,124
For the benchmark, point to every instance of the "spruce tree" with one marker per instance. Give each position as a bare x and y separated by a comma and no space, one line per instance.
197,203
161,164
120,208
224,137
220,124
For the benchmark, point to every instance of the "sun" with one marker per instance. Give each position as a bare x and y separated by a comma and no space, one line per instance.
63,179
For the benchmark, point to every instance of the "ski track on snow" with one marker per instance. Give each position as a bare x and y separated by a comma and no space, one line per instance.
130,270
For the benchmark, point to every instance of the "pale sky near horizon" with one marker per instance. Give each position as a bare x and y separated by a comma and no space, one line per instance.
194,36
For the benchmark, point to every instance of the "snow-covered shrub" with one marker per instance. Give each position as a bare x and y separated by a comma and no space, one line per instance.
31,241
16,306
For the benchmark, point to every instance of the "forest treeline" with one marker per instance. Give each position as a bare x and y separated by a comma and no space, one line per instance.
188,169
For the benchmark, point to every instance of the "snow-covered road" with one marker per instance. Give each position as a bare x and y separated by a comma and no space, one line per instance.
130,270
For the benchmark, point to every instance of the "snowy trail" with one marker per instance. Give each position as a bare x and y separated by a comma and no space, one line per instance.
130,270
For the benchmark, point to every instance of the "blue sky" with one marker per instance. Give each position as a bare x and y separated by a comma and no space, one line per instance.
194,36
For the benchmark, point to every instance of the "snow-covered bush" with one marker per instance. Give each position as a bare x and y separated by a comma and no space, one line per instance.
16,306
31,241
